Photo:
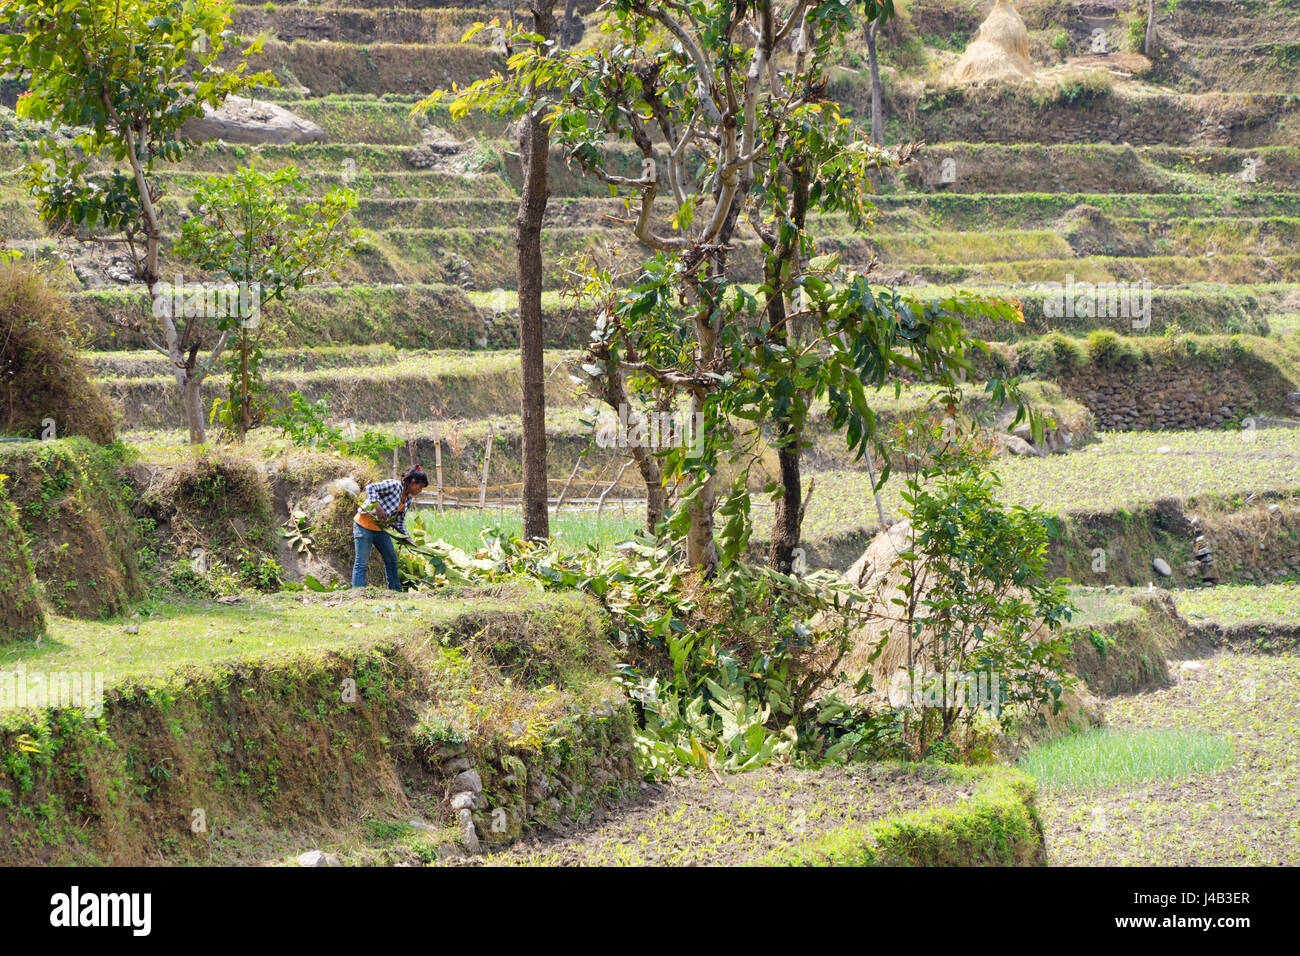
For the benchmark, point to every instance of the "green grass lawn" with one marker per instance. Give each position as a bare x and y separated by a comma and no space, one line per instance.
1242,604
1108,758
183,634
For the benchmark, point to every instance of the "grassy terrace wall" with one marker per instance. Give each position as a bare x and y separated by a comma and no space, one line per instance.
422,386
1077,115
21,616
294,719
1257,543
1158,382
996,825
71,505
1121,640
408,317
447,317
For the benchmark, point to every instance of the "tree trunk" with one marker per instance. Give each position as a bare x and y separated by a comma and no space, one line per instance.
1152,41
192,396
615,396
534,149
701,549
567,31
788,524
245,400
788,521
877,109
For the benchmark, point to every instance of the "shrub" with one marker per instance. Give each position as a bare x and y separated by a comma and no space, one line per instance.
1052,355
307,425
974,604
47,392
1109,350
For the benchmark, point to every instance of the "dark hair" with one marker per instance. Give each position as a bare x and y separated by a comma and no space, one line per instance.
416,473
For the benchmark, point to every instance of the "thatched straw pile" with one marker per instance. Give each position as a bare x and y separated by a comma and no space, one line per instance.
871,573
1000,50
876,574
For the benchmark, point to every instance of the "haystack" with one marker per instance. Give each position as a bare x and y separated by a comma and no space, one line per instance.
872,573
45,386
875,573
1000,50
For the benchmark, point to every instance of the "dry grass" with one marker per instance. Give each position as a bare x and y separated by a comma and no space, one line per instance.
1000,50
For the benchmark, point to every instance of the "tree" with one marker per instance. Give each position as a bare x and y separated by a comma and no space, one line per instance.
125,76
976,607
527,103
254,230
1151,44
738,141
871,31
534,156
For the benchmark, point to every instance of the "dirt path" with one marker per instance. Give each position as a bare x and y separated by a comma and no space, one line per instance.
1245,814
699,821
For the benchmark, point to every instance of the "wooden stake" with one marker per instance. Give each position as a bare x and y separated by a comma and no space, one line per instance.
437,463
487,460
615,483
565,490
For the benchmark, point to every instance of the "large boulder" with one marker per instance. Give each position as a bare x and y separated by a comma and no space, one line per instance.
252,121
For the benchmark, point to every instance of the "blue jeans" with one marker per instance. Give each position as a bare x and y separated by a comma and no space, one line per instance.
363,539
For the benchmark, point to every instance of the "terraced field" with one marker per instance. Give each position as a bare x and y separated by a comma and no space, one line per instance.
1179,181
1186,178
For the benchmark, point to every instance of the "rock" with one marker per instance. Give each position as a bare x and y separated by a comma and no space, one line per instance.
537,791
1163,450
344,486
468,835
252,121
463,801
1162,568
459,764
467,781
1015,445
421,825
441,152
312,858
132,629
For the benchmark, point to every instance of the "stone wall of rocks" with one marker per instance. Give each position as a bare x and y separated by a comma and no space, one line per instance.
494,796
1169,398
